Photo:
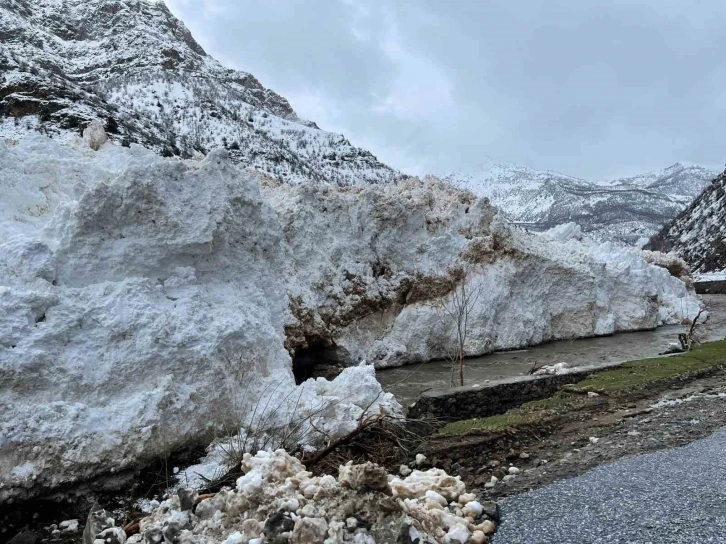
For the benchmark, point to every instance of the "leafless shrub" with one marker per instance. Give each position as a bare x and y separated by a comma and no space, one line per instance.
455,307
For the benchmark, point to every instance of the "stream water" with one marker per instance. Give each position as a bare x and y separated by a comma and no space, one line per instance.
408,382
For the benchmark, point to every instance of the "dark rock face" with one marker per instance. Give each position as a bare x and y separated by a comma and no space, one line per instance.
698,234
133,62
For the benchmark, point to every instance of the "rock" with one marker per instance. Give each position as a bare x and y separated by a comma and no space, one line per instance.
489,485
276,525
94,135
172,531
594,440
113,535
309,531
436,497
478,537
509,477
25,537
98,521
524,455
466,497
493,463
69,526
458,534
491,510
488,527
153,535
513,470
473,507
365,476
187,498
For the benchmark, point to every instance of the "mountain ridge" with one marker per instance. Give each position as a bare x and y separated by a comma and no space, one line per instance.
698,233
626,209
136,68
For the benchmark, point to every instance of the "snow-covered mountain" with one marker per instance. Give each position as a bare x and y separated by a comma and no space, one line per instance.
135,67
698,233
625,209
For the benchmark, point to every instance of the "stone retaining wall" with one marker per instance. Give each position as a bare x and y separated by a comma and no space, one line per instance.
496,396
717,287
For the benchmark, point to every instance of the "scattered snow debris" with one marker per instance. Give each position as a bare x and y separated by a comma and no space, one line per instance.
346,509
94,135
592,394
513,470
69,526
667,402
524,455
594,440
558,368
404,470
418,482
420,459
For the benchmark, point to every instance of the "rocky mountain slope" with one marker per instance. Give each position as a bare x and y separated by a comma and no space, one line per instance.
145,301
135,67
626,209
698,233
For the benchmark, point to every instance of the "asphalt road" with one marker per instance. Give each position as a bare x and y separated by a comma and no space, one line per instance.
672,496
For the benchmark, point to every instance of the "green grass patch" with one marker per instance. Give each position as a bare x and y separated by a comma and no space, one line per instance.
641,373
493,424
555,403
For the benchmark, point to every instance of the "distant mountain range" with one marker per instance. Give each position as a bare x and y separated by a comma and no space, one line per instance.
698,233
628,209
136,68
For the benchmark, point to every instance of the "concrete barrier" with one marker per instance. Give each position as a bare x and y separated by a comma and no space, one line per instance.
497,396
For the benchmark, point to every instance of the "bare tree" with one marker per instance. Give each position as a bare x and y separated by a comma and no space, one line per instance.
455,308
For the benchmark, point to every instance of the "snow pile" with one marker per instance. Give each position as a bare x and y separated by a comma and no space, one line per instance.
141,304
369,265
565,232
556,369
145,301
315,410
277,500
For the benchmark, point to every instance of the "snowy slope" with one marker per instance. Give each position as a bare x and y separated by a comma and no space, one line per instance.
136,68
698,233
625,209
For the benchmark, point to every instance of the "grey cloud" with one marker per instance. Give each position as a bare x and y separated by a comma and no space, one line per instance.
594,89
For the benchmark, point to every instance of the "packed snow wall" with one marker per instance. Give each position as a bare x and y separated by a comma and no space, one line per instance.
144,301
371,266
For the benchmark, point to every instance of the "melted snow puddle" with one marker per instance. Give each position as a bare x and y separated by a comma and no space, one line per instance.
408,382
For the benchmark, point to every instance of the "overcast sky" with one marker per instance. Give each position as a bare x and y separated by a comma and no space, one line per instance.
591,88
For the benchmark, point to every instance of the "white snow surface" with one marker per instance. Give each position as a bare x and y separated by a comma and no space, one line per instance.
145,300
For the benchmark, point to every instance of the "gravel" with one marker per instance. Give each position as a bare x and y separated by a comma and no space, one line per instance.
677,495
